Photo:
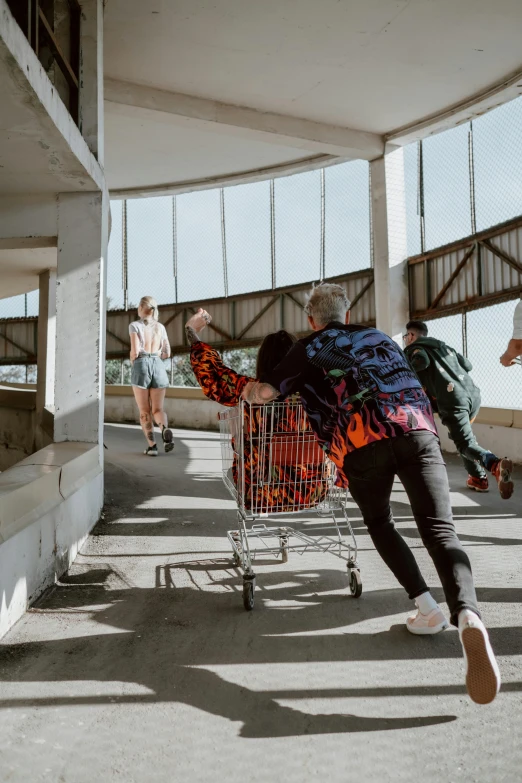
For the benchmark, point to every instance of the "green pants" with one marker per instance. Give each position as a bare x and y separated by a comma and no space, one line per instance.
458,421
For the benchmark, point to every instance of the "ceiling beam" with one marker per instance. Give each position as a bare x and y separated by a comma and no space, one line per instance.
227,180
501,92
283,130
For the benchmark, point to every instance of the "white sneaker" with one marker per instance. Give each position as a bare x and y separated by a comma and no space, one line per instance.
424,624
482,672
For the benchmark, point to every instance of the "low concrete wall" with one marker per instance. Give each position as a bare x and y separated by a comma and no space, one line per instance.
49,503
17,425
185,407
496,429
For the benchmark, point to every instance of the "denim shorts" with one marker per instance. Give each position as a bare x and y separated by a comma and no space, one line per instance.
148,372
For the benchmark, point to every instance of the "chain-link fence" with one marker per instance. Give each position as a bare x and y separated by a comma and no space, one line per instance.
483,335
179,370
17,373
464,180
240,239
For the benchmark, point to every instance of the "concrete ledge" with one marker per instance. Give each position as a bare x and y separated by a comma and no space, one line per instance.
500,417
18,398
173,392
42,481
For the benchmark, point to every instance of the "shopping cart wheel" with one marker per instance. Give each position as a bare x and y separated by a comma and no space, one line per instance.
355,583
283,548
249,585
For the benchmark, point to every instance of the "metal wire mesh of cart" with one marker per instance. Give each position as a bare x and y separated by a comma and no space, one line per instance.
272,464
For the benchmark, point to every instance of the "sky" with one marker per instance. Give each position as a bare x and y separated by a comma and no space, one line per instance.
202,240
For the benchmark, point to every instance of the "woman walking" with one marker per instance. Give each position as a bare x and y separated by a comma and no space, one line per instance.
149,346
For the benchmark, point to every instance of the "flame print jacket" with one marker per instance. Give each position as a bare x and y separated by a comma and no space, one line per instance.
356,386
287,486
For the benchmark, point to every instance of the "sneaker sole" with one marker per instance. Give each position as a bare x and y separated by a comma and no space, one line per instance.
426,631
505,485
482,680
168,440
477,489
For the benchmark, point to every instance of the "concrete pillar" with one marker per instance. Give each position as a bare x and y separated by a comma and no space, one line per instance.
80,317
91,76
46,341
390,243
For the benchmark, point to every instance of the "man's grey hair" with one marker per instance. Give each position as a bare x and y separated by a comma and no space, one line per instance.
327,302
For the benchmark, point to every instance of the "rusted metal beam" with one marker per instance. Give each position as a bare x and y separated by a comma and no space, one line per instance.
362,292
460,244
293,299
513,263
256,318
213,326
447,285
17,346
173,317
119,339
362,273
471,303
59,56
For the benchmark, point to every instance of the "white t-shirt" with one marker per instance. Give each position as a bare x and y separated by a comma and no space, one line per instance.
517,322
149,332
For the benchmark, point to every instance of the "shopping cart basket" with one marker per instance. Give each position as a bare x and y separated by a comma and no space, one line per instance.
273,465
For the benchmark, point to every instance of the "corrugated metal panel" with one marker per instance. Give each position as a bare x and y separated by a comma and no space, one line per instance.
492,272
236,321
18,341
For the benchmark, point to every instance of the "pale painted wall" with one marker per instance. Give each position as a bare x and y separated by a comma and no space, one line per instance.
184,407
34,558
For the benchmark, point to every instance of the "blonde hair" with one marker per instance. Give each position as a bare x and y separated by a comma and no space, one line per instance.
150,304
327,302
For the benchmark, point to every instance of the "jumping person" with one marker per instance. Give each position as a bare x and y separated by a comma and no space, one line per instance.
149,379
372,417
444,374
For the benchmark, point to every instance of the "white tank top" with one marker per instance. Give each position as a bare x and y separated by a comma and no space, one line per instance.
152,333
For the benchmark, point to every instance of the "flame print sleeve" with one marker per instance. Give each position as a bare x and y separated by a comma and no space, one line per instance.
218,382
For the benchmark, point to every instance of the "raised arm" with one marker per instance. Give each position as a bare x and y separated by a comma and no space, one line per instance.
218,382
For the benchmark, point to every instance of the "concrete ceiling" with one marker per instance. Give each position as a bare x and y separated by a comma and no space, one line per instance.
355,65
41,149
19,268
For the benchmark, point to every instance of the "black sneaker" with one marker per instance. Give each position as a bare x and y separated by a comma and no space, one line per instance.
151,451
168,439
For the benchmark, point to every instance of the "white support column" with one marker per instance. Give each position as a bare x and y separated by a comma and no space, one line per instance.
46,341
80,317
390,243
91,76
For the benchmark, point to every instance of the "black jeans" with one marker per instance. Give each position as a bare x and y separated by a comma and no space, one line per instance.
474,457
417,460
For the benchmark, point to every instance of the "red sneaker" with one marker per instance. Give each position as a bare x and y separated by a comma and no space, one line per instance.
502,470
478,484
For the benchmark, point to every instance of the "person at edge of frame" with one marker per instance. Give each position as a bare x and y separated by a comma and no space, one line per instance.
513,352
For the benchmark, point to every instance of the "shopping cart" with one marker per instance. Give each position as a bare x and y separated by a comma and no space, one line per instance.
272,465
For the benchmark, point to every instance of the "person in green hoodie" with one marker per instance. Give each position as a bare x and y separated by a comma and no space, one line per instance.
444,373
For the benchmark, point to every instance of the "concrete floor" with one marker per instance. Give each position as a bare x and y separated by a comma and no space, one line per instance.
142,665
